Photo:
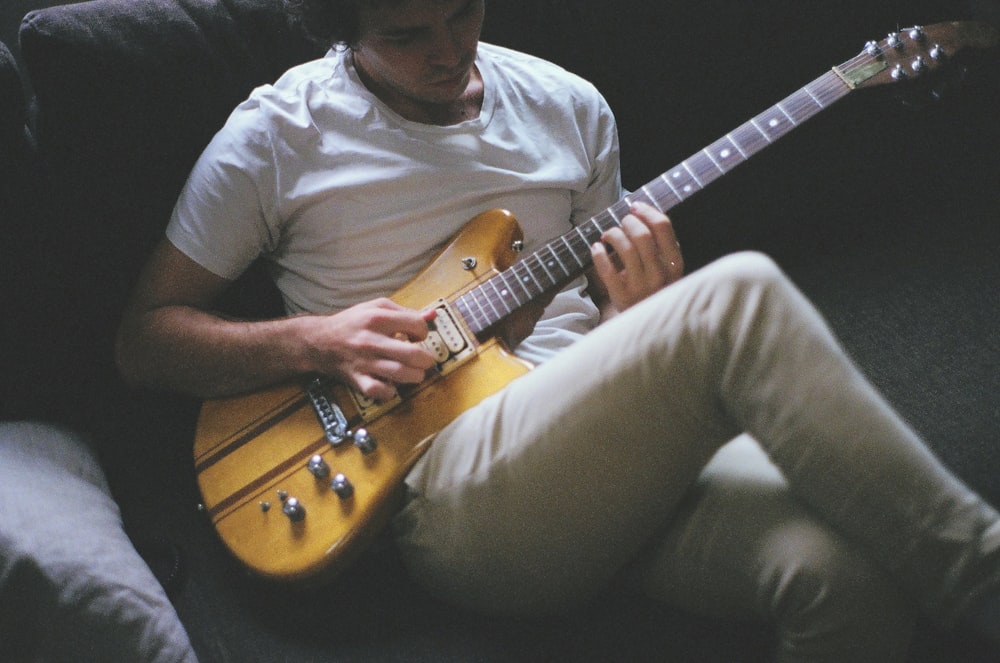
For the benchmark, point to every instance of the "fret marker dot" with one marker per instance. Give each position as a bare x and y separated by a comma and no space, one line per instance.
725,154
677,174
504,292
773,123
687,188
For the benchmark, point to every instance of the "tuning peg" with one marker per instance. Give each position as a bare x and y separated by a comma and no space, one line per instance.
873,49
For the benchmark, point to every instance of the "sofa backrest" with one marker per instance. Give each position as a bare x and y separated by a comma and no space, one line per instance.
22,266
128,94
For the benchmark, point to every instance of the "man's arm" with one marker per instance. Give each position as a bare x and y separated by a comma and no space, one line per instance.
171,338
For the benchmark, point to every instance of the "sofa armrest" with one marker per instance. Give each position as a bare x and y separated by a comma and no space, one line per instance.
73,586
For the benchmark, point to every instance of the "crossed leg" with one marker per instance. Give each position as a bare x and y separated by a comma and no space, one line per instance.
540,496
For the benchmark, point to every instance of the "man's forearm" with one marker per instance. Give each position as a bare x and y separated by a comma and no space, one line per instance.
184,349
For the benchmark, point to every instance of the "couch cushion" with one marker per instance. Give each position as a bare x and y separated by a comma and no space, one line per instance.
73,587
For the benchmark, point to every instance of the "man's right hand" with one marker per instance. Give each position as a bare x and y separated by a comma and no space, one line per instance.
373,346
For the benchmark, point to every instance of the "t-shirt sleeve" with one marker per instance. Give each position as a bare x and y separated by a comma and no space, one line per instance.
605,186
223,218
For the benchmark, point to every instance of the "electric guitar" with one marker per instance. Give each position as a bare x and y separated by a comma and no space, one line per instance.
297,479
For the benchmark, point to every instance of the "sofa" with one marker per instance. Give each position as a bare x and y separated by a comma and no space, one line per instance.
884,210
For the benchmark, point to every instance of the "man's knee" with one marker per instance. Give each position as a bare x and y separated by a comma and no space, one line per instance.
750,267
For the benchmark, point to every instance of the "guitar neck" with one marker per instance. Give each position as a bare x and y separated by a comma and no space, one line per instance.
901,56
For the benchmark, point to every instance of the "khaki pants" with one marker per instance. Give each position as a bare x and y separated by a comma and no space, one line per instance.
615,463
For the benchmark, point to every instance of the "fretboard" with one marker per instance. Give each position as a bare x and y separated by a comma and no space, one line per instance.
566,257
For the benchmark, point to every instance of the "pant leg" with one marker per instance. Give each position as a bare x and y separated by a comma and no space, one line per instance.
535,498
741,546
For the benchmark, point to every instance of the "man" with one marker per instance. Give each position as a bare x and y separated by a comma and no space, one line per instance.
600,466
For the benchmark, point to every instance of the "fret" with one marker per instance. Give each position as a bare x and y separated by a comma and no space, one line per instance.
573,253
680,180
813,97
705,171
826,94
555,259
829,87
774,123
701,185
622,208
527,278
579,243
803,106
781,106
537,257
482,314
591,231
660,194
529,288
650,198
714,162
508,290
750,138
492,300
759,128
560,249
463,309
734,143
725,154
665,178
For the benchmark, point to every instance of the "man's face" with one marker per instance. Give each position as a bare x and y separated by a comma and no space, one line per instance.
419,51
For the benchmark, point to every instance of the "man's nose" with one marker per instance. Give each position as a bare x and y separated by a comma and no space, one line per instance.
447,48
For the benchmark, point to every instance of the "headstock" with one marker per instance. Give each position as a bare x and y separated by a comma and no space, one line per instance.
914,53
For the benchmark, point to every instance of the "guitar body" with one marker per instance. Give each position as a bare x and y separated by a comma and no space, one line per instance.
251,452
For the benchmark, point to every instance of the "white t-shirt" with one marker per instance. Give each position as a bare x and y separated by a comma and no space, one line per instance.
347,201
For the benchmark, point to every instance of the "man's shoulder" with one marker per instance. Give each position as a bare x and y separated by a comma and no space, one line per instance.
536,82
301,80
288,100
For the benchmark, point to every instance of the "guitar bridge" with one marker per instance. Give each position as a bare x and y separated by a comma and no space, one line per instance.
331,417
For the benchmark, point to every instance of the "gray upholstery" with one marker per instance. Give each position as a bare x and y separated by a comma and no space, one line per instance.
73,588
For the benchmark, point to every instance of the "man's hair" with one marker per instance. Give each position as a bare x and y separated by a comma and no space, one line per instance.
330,22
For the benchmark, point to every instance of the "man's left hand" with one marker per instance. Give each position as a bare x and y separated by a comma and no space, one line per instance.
646,257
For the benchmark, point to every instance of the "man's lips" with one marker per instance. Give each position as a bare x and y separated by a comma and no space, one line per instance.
454,78
450,81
